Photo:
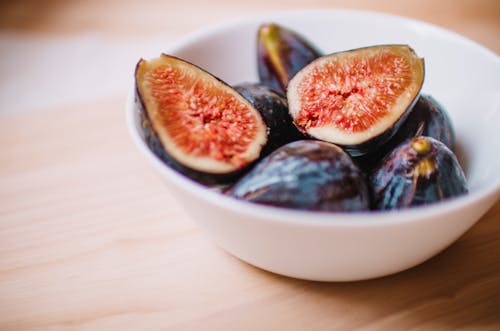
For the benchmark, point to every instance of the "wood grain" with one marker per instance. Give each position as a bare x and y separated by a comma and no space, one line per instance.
90,239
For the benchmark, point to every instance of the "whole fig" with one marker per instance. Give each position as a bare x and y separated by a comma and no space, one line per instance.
420,171
308,175
281,53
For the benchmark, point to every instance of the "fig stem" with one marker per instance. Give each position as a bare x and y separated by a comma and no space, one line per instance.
421,145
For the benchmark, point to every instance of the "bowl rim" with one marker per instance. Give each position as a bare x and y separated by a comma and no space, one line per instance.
304,217
203,32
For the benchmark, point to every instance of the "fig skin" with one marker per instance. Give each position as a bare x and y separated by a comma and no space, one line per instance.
427,118
281,53
358,142
306,175
274,110
420,171
154,142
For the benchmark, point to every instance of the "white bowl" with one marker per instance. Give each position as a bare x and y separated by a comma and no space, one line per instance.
462,75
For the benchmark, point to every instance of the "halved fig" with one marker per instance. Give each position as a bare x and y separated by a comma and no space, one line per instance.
420,171
273,108
358,98
307,175
195,122
281,53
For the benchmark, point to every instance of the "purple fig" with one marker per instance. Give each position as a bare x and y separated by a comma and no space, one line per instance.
281,53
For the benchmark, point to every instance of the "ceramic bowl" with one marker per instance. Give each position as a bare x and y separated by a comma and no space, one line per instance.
462,75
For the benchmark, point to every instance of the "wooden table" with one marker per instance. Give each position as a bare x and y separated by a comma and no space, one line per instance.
91,240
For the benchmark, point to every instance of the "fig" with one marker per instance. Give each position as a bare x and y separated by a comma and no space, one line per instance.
273,108
427,118
420,171
281,53
307,175
195,122
356,99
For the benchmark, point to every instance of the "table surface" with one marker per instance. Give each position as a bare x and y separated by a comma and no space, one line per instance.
91,240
